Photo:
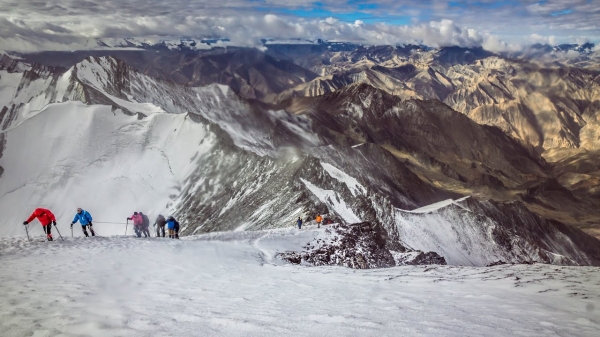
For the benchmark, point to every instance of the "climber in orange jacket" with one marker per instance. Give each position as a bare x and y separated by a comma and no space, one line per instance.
46,218
319,219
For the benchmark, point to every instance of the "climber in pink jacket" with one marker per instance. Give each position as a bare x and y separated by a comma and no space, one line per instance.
138,223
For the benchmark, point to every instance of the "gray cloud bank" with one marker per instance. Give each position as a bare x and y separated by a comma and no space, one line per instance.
32,25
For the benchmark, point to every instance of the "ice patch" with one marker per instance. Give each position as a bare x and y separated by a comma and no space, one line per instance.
353,185
332,199
436,206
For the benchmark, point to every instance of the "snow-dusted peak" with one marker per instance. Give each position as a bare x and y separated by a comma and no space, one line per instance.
101,72
160,43
120,42
12,65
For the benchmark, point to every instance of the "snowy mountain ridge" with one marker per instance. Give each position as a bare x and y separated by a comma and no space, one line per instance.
105,137
109,87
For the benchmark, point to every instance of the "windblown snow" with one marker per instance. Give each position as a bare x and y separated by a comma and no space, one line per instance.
228,284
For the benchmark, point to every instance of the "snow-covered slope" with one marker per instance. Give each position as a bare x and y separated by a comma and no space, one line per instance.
228,284
471,233
133,145
74,155
108,81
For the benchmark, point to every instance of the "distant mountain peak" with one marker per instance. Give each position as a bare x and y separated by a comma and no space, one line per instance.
587,47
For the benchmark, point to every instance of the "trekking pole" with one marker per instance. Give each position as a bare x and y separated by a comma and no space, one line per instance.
127,224
58,232
71,230
27,231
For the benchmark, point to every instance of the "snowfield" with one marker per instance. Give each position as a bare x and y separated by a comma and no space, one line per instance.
229,284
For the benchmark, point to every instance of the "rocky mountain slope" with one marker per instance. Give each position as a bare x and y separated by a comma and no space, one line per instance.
548,105
249,72
450,151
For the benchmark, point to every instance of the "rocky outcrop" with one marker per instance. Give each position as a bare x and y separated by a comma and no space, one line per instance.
418,258
9,64
358,246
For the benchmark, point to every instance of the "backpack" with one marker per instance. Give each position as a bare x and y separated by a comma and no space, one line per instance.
145,220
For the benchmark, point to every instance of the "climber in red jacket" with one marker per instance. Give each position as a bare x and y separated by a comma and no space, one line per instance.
46,218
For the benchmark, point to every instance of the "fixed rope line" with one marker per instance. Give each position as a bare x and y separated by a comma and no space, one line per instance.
115,223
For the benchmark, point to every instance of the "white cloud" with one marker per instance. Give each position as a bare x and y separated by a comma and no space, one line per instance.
75,24
247,31
536,38
358,23
494,44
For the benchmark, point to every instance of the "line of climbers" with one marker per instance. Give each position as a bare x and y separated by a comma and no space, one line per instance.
141,223
319,220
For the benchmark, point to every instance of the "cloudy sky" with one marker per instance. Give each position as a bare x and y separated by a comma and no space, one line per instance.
28,25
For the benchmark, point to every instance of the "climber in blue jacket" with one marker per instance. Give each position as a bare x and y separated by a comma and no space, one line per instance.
85,219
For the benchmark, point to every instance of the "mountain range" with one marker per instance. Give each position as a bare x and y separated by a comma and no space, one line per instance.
238,138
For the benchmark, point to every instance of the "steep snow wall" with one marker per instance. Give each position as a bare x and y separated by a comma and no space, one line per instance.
474,233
